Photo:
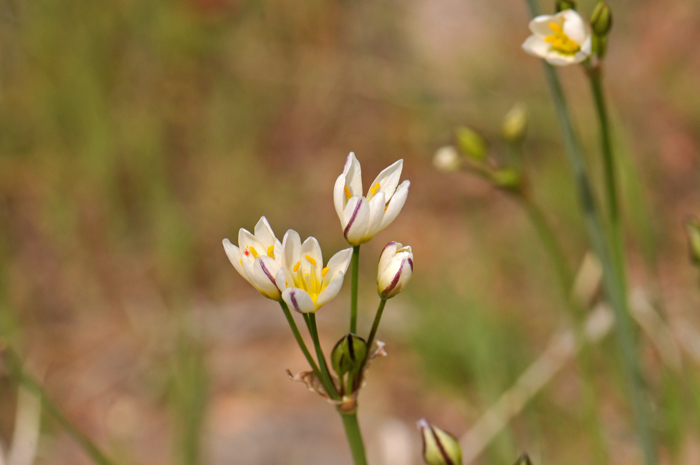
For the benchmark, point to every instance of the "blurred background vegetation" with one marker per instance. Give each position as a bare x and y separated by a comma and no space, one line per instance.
136,135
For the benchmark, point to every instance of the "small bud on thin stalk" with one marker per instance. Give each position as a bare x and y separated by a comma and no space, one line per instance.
439,447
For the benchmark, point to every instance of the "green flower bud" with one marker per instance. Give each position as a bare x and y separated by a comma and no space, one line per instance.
439,447
348,354
599,45
601,20
471,143
692,229
562,5
507,178
514,124
524,459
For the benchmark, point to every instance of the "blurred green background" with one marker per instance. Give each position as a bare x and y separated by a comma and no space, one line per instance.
136,135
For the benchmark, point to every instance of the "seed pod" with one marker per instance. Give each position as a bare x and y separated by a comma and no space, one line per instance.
348,354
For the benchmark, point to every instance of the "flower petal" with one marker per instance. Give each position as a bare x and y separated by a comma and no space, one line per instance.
376,214
263,233
356,220
574,26
536,46
246,241
338,264
264,271
387,256
396,204
388,179
330,291
236,257
557,59
353,175
312,259
540,24
291,249
299,300
340,199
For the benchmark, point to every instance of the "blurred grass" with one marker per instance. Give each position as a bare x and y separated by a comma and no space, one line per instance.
134,136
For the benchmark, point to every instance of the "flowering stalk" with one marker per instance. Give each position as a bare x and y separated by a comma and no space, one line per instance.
21,376
300,340
375,325
353,293
613,275
325,375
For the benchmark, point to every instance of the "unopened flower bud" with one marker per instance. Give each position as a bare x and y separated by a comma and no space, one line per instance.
439,447
524,459
447,159
514,124
348,354
692,229
562,5
471,143
395,269
507,178
601,20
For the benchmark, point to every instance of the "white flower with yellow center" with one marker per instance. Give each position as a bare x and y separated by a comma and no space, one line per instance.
560,39
307,284
258,258
362,217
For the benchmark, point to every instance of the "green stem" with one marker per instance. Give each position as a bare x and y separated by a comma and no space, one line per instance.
300,340
551,245
352,432
611,190
585,354
325,375
353,294
53,410
375,325
613,271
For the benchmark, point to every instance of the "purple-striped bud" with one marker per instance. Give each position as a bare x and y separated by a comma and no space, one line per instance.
395,269
439,447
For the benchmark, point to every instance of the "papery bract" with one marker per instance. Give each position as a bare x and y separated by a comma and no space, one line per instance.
561,39
362,217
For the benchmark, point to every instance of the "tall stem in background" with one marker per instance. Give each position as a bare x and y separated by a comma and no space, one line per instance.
613,271
22,378
299,339
354,436
353,294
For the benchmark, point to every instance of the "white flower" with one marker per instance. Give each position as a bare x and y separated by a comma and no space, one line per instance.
363,217
561,39
258,258
307,284
395,269
447,159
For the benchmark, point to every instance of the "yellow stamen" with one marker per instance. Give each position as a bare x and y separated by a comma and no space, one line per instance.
386,206
310,259
255,252
271,251
241,261
296,267
560,42
347,192
324,271
374,189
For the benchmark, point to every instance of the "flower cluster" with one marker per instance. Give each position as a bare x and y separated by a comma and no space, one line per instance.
293,272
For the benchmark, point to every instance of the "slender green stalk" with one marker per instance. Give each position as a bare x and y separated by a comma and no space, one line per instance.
325,375
375,325
613,269
611,190
585,355
52,409
551,245
352,432
353,294
300,340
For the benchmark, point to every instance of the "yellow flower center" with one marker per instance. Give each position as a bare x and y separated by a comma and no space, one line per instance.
307,279
560,42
